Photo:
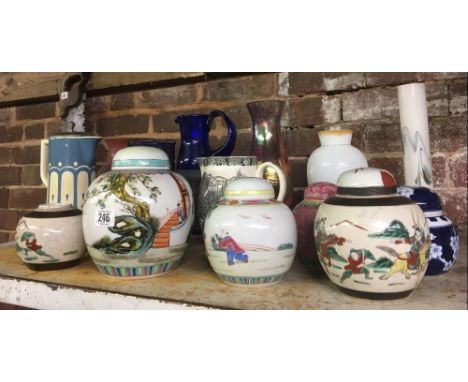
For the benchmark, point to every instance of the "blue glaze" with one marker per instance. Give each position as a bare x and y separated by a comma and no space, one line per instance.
194,129
444,236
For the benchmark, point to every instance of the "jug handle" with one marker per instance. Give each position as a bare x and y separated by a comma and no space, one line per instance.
44,168
281,177
228,146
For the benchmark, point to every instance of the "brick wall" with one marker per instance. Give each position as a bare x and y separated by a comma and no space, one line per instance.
366,102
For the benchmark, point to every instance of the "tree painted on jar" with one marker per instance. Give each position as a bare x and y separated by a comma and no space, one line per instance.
137,229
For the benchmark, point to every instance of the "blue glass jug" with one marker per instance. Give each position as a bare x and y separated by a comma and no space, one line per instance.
194,130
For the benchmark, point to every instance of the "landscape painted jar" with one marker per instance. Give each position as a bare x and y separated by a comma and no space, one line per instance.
370,241
333,157
137,217
50,237
444,237
304,213
250,237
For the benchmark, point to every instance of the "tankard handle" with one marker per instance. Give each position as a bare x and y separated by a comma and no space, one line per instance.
44,168
281,177
228,146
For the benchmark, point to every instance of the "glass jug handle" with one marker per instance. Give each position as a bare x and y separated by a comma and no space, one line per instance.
228,146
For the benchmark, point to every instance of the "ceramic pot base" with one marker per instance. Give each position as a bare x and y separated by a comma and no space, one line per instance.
53,266
241,281
143,272
375,296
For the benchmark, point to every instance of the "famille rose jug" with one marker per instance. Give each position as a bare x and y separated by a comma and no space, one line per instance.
333,157
370,241
217,171
137,217
445,240
68,166
50,237
250,237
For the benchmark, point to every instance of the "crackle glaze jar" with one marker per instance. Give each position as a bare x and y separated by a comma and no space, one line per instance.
333,157
50,237
370,241
137,217
444,237
250,237
304,213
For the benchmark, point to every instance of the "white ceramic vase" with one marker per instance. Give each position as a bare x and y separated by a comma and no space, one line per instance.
137,217
415,134
250,237
333,157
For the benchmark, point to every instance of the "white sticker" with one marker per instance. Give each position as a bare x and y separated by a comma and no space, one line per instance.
64,95
104,218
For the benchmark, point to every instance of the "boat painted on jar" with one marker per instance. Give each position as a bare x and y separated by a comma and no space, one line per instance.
371,242
137,217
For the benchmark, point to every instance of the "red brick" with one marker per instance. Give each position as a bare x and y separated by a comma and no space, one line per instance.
454,204
434,76
299,172
126,124
392,164
439,171
243,143
122,101
258,86
27,155
53,127
27,197
4,238
3,198
6,155
5,114
300,141
34,131
240,115
95,105
9,219
437,99
447,134
458,166
305,83
305,112
165,122
171,96
458,97
10,176
383,137
370,104
11,134
30,176
101,153
37,111
390,78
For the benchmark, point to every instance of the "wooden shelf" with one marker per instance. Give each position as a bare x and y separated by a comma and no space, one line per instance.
193,285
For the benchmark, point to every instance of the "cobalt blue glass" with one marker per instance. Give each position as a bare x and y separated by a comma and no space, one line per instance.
444,236
167,145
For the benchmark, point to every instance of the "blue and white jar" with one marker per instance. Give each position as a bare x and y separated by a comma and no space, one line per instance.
444,236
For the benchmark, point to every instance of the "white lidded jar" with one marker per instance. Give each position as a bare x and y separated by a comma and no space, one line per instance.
137,217
333,157
250,237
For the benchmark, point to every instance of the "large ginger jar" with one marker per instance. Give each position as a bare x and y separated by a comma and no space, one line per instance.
250,237
370,241
137,217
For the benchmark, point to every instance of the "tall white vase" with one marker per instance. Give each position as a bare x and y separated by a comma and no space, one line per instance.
415,134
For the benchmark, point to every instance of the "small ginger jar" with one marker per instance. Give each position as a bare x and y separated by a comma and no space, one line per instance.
50,237
304,213
444,237
371,242
334,156
250,237
137,217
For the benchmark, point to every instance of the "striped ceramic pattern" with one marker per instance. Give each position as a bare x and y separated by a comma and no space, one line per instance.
138,271
246,280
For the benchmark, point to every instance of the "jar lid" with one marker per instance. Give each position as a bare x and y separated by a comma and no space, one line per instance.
140,157
335,137
249,189
426,198
53,210
366,182
319,191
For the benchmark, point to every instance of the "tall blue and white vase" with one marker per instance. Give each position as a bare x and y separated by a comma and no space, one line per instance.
68,167
444,236
415,135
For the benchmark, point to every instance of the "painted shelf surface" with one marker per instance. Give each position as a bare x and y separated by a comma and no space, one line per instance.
194,285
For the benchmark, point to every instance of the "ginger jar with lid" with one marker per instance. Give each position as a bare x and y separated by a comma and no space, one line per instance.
370,241
137,217
250,237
